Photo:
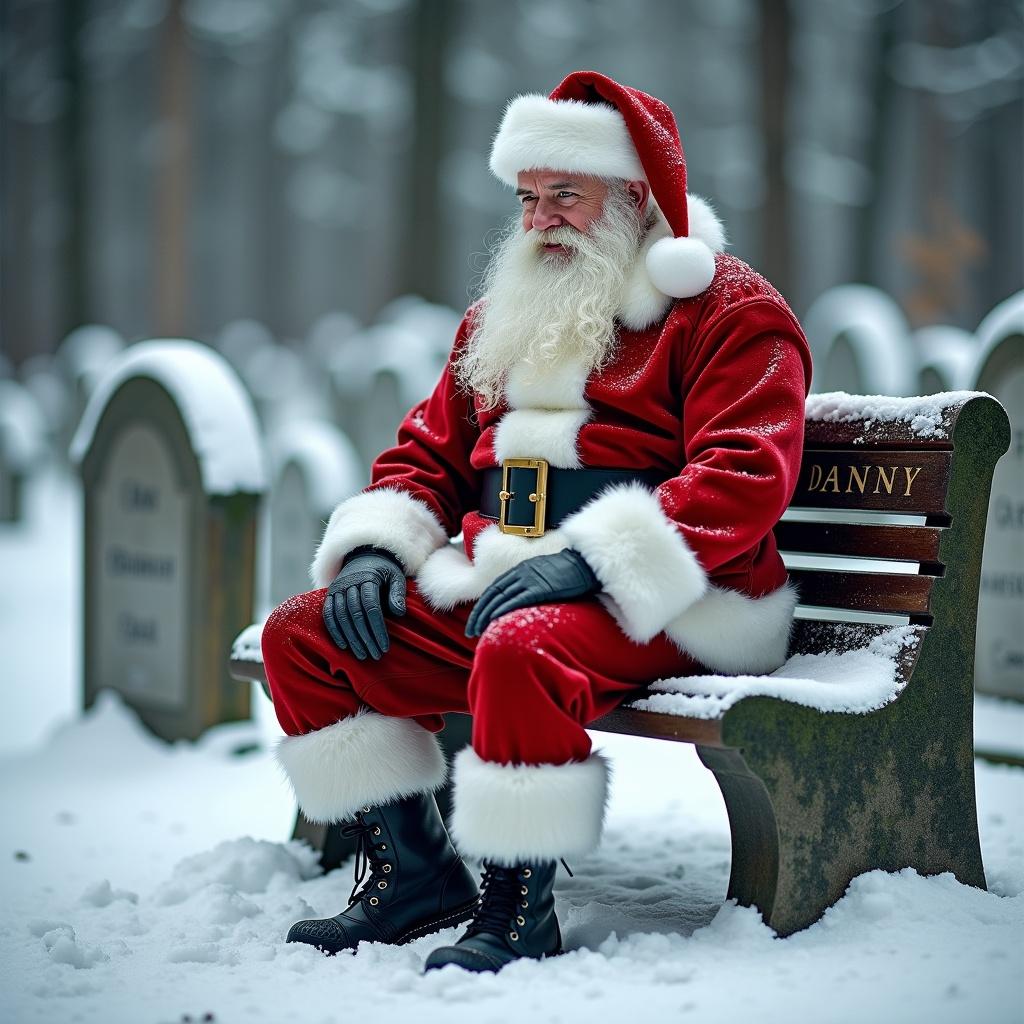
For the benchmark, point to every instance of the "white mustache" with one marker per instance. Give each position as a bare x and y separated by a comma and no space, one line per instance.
565,236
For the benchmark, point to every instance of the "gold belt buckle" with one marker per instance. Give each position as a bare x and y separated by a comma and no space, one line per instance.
538,496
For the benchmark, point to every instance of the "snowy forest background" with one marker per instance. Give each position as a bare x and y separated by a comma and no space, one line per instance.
170,166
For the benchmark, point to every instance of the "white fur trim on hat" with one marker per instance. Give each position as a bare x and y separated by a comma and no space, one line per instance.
644,302
513,813
363,760
642,560
387,518
680,267
563,135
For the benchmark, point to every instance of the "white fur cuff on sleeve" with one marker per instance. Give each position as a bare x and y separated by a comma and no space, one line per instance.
640,557
386,518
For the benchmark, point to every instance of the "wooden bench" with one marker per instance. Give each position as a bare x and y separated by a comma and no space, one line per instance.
816,798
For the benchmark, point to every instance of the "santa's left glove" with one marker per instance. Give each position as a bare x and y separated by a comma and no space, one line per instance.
352,609
540,580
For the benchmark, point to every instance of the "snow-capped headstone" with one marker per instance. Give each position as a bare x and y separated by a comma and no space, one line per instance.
22,446
381,412
82,358
860,342
945,357
42,378
170,459
315,467
999,370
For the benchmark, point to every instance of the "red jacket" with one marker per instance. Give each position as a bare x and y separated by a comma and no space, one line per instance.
710,390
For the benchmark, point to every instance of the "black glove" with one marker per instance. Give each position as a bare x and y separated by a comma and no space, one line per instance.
538,580
352,611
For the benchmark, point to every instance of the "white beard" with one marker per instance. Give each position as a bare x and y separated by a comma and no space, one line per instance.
544,309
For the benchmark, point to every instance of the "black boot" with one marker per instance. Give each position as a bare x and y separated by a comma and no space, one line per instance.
418,883
515,918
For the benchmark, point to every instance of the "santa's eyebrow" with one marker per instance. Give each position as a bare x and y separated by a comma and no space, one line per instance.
550,188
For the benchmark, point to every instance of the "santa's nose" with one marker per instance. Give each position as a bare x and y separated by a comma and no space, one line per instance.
544,218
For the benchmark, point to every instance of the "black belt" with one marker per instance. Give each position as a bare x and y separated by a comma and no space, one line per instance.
528,497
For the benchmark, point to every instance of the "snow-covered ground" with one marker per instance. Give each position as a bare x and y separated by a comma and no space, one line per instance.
143,883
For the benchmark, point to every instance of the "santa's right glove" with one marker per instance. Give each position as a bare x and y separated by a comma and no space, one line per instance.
539,580
352,609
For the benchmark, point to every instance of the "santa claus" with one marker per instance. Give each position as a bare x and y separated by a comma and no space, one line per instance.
617,431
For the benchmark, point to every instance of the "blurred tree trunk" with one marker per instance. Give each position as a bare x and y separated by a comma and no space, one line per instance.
871,226
776,229
423,251
75,269
172,181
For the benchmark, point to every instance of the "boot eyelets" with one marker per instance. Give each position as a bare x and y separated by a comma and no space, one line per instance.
527,872
524,890
376,830
387,869
514,936
374,901
383,846
382,885
524,904
366,810
520,921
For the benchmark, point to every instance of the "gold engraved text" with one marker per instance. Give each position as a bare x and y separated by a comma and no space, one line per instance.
858,479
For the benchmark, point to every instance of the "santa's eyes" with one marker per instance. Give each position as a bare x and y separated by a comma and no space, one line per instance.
564,198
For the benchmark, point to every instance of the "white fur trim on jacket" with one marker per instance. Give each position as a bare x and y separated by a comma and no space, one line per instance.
558,385
363,760
449,578
725,630
513,813
386,518
563,135
642,560
549,434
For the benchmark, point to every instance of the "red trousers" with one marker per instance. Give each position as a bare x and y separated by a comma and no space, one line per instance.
532,682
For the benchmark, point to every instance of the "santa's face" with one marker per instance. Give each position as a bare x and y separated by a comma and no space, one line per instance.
559,199
555,281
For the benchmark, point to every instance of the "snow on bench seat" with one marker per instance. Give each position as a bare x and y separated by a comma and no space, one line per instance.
858,681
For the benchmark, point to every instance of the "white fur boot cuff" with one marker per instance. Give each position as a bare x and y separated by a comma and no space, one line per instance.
363,760
513,813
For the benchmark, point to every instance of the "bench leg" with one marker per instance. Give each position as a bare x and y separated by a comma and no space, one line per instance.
815,800
753,874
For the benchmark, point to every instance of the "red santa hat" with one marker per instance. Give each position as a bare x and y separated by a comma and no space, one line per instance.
592,125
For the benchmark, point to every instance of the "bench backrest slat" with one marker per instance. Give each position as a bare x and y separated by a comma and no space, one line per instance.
902,481
909,543
878,592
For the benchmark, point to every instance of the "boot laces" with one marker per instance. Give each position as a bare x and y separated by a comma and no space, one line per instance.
499,894
367,858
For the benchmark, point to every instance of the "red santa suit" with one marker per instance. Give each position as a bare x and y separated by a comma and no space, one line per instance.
707,389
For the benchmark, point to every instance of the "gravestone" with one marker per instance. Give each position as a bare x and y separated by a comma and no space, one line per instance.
43,380
22,446
860,343
945,359
315,466
169,454
999,370
381,411
82,358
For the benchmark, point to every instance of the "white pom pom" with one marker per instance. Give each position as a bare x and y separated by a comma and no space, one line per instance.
680,267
